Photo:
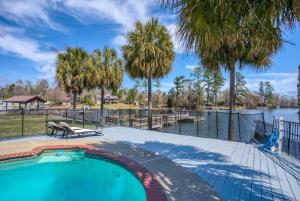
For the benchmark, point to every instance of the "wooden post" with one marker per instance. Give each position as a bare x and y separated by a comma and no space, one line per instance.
280,133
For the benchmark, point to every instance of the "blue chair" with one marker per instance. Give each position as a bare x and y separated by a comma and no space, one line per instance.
271,140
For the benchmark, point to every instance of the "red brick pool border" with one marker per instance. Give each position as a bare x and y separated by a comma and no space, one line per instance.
154,190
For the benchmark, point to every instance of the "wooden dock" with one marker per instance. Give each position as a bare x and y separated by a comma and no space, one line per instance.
235,170
158,121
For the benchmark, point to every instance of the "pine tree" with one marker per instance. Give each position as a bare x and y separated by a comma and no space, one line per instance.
241,88
208,85
269,96
262,93
217,84
197,79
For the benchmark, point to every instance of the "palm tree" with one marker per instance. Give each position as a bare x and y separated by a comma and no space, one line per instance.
246,32
71,66
107,72
148,55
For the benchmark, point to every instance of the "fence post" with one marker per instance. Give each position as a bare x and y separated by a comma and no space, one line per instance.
280,133
289,136
264,123
66,115
22,113
217,124
179,122
239,122
208,124
97,118
119,117
129,117
197,113
140,119
83,117
46,121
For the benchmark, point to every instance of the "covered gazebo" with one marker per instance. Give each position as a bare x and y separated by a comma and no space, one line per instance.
26,101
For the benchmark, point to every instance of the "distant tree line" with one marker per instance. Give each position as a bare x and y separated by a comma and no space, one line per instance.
201,90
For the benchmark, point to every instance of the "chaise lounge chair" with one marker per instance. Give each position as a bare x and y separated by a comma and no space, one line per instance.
78,131
55,128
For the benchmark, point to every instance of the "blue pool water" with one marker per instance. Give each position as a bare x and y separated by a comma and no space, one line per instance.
68,176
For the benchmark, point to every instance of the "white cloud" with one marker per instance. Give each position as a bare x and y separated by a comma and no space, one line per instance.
24,48
191,66
177,44
119,40
272,74
12,42
28,13
166,86
124,13
283,83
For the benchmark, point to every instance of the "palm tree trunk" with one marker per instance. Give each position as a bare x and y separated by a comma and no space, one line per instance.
231,130
74,100
149,104
102,106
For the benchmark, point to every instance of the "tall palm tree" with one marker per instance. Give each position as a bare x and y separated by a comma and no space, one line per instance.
71,67
149,54
246,32
107,72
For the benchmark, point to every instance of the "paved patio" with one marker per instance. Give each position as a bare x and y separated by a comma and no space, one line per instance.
236,171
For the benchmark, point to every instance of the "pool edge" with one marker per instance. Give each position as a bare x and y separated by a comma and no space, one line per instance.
154,190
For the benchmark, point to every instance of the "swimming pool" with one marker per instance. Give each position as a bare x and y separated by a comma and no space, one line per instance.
68,175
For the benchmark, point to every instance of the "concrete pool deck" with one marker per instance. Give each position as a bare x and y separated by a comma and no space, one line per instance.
186,164
177,182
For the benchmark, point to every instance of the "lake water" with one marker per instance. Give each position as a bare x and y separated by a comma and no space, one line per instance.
286,114
216,125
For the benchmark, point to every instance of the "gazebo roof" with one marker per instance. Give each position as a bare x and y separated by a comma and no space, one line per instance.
110,97
24,99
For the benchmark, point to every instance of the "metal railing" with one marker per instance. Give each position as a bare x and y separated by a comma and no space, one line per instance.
290,136
211,124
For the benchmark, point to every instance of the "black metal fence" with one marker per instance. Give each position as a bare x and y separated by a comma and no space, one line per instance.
211,124
290,133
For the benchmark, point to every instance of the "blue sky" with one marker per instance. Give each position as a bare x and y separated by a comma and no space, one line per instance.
31,32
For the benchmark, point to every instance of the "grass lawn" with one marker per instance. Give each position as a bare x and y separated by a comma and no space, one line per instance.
11,125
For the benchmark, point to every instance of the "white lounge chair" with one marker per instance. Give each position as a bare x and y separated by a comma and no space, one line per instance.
55,128
78,131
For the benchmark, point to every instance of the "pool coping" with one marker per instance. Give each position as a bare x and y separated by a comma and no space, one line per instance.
154,191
